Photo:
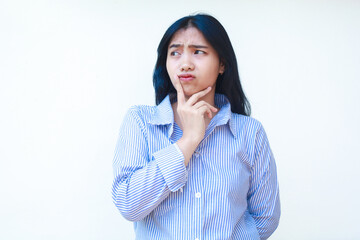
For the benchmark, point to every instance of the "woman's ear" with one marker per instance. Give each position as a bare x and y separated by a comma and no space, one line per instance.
222,67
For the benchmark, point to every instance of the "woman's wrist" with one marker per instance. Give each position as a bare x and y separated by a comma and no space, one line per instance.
187,146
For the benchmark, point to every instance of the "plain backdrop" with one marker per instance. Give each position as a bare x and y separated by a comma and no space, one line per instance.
69,70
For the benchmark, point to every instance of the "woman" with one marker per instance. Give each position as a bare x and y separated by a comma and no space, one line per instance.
196,166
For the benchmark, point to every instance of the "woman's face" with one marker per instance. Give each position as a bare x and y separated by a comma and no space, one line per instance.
193,61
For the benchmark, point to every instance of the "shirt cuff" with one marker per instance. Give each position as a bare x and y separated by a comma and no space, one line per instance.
171,163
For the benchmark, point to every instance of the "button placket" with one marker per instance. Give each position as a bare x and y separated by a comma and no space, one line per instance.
196,189
198,195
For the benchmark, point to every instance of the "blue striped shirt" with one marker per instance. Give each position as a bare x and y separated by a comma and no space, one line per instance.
229,190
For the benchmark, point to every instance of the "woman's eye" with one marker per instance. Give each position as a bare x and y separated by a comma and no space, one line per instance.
174,53
199,52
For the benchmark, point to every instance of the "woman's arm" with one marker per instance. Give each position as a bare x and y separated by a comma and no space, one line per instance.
263,195
193,116
142,181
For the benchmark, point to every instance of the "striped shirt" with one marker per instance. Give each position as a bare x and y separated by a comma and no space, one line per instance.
229,189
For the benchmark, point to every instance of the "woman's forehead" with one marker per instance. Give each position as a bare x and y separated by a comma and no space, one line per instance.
188,36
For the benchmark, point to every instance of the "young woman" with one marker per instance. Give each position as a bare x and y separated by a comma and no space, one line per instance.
196,166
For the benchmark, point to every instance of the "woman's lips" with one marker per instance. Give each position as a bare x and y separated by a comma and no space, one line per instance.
186,77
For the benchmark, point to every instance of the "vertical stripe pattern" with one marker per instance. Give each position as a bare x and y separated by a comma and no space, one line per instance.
229,190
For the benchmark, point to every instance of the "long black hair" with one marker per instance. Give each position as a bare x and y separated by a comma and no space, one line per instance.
227,83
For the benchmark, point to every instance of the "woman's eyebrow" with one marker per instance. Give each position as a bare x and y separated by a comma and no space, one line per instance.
190,46
197,46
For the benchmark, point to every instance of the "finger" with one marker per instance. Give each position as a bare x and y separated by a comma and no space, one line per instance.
179,90
205,110
201,103
196,96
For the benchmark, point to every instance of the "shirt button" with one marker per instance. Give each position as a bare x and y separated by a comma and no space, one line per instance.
198,195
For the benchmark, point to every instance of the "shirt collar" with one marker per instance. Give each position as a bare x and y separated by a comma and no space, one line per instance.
164,115
224,116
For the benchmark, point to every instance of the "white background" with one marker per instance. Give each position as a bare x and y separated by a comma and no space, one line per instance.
70,69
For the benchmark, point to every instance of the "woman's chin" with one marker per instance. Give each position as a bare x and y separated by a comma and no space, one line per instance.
189,94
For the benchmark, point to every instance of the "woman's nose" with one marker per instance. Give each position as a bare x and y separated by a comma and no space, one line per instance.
187,64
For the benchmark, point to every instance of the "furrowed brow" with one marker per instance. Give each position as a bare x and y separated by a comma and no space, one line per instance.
197,46
175,45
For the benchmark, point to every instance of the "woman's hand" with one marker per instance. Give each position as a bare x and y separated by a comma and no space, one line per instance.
193,116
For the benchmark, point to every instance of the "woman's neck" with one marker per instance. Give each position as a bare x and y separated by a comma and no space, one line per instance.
209,98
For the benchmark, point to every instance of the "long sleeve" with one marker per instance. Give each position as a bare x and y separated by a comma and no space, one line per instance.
263,195
229,190
142,180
